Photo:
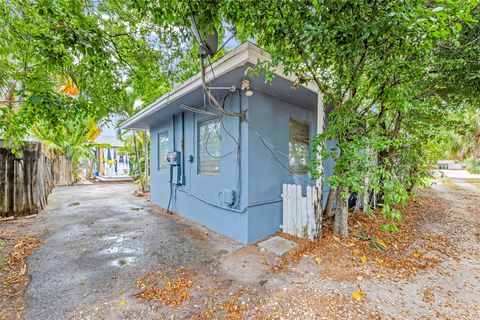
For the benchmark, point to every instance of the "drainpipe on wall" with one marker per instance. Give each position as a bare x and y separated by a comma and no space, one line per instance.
319,183
182,147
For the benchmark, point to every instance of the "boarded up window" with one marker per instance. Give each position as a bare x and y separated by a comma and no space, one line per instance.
209,147
162,150
298,147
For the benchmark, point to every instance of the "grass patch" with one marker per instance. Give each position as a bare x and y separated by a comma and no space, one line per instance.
449,183
476,184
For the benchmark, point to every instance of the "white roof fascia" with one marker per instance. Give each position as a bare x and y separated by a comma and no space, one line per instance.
241,55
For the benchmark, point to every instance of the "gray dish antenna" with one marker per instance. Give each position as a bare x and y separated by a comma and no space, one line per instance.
208,41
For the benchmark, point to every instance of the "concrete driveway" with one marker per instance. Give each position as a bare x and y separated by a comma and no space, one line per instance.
460,179
97,240
100,239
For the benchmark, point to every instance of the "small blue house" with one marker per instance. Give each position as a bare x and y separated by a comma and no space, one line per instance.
225,170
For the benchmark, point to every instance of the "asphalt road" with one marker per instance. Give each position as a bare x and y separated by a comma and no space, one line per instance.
97,239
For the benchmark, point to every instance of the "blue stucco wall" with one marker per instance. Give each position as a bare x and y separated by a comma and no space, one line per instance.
269,117
199,199
258,213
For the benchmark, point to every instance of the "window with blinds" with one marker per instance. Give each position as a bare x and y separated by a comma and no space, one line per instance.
298,146
162,150
208,137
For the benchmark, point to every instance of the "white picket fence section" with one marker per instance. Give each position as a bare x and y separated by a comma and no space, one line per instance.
298,211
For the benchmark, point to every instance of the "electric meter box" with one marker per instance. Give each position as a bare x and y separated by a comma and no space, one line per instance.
173,158
227,196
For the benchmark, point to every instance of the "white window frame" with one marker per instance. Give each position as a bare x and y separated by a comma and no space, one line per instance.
162,163
298,168
200,148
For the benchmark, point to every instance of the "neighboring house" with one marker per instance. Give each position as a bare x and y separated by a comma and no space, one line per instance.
110,162
449,165
233,190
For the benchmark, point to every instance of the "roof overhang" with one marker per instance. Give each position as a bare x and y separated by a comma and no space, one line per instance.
246,53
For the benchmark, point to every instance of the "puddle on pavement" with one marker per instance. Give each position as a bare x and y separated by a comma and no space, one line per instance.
119,237
125,236
115,249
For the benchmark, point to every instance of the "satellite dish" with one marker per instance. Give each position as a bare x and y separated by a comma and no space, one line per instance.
209,43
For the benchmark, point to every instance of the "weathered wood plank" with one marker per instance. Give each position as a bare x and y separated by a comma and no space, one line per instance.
299,211
26,182
298,216
10,184
3,194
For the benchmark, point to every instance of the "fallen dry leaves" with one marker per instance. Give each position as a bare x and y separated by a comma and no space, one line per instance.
15,266
172,293
357,295
13,271
233,308
341,259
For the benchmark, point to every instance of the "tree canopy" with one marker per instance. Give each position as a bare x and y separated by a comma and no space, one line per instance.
76,60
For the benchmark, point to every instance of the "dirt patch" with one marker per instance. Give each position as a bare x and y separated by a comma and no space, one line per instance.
194,295
302,303
232,309
163,212
141,194
400,254
169,291
198,234
14,249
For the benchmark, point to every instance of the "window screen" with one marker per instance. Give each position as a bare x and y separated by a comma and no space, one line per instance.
298,146
209,147
162,150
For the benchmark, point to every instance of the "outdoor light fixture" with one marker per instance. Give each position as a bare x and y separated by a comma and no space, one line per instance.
246,88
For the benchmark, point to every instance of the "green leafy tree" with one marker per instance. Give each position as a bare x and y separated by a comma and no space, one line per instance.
64,63
101,47
373,60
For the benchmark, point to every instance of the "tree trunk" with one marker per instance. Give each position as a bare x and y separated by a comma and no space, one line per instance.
330,200
137,155
358,202
340,226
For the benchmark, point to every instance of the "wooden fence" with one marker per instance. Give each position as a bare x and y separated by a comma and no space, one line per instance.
62,171
299,211
26,182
